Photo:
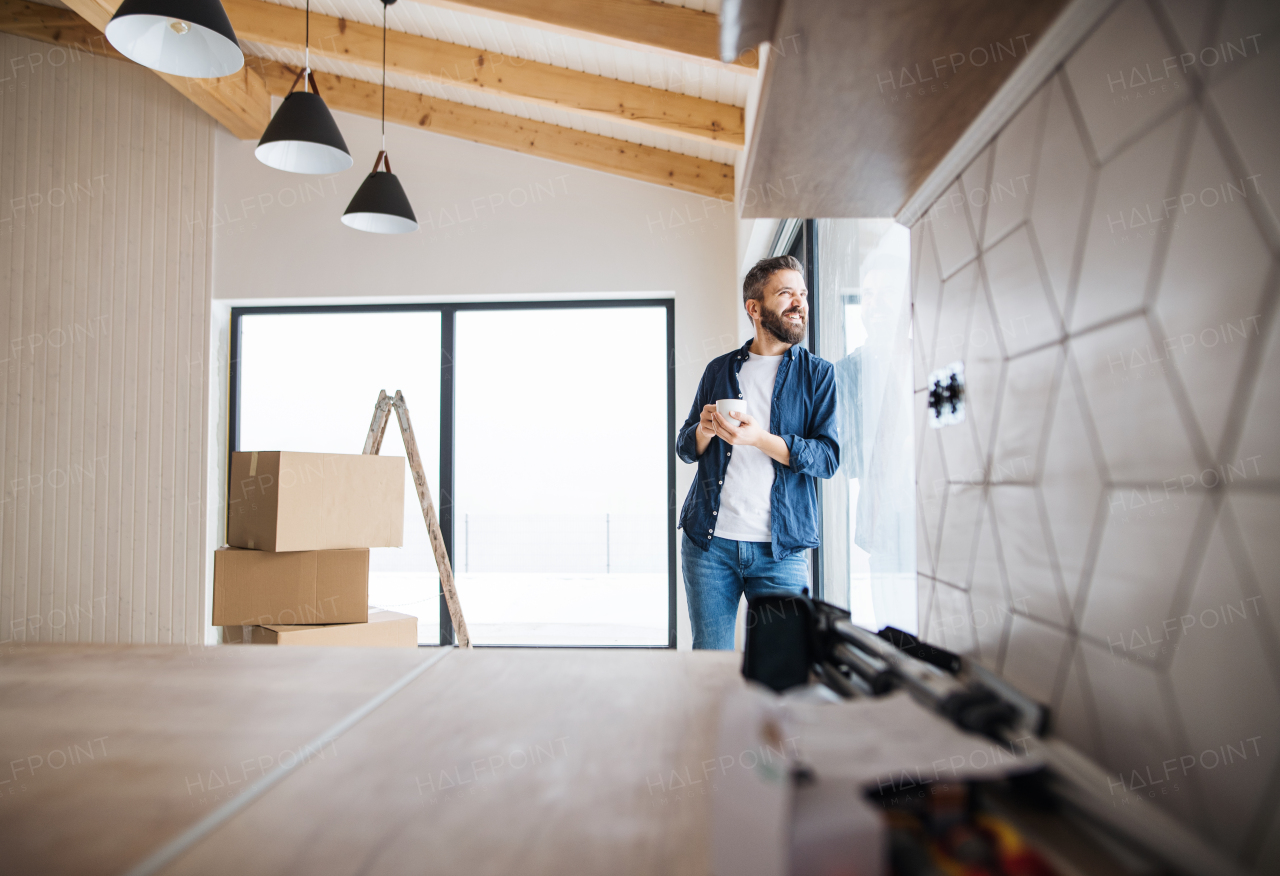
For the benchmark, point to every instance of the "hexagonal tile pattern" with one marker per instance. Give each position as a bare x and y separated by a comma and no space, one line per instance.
952,231
1136,728
1033,579
1262,416
1190,20
930,629
1255,518
959,528
1210,298
1071,484
975,184
1072,717
1028,392
1034,658
954,315
988,596
965,462
1128,217
925,296
1129,575
931,488
924,547
1252,132
1027,317
1230,727
964,459
1148,540
1242,18
1059,189
1119,78
1008,194
983,370
1123,376
955,617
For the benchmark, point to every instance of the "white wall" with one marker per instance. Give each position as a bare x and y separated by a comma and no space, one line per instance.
494,224
104,295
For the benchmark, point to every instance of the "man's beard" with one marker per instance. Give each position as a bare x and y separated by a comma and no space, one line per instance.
782,328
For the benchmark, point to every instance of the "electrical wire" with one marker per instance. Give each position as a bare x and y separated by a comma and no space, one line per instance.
384,74
306,76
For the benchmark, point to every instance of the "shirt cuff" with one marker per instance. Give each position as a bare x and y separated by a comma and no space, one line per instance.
797,449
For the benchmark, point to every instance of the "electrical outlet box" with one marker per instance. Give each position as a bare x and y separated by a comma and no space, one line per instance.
946,396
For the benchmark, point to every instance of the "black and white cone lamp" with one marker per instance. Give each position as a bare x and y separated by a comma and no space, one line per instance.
380,204
191,38
302,136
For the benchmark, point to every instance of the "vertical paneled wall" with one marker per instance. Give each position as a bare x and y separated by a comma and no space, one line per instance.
1103,527
105,177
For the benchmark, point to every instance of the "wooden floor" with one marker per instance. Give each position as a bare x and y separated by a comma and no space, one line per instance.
489,761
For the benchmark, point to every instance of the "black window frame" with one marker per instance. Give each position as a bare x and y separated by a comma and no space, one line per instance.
444,501
799,240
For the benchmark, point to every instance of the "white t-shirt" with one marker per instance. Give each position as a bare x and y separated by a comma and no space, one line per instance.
744,500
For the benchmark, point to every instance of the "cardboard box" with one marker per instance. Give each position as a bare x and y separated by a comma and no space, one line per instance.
285,501
295,587
384,629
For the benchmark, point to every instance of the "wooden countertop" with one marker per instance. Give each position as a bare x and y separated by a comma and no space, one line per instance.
489,761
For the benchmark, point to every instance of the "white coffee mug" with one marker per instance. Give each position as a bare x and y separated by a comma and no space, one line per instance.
728,406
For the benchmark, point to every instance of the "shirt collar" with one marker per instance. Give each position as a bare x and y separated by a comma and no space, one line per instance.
745,350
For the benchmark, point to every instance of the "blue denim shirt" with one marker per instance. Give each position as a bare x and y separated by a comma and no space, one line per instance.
803,412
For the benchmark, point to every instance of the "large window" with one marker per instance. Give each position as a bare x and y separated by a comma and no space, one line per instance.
309,381
858,281
548,438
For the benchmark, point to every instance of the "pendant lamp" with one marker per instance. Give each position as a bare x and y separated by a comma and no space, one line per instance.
190,38
380,204
303,137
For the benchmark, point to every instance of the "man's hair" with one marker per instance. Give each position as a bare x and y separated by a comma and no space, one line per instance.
754,283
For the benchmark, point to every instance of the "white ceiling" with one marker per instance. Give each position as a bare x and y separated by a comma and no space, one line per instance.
653,69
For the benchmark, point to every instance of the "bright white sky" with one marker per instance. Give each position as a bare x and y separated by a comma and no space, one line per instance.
558,412
562,411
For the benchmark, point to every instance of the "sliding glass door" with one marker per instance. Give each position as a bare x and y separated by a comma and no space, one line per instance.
309,382
560,526
547,435
864,329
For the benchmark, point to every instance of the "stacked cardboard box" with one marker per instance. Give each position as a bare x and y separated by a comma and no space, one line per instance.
295,569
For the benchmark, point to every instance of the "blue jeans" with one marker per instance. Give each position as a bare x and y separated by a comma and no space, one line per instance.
715,579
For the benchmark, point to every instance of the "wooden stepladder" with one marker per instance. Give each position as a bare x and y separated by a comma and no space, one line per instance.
373,444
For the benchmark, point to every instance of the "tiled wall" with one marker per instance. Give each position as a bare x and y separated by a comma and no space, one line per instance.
1104,528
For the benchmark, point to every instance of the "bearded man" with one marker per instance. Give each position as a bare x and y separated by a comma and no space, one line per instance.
752,510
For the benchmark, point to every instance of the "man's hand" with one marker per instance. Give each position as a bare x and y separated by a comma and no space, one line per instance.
707,423
706,429
746,433
749,433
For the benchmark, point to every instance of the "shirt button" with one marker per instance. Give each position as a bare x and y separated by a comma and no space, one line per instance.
714,513
719,482
710,530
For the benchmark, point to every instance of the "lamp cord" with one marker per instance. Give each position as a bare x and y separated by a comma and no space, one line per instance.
384,75
307,51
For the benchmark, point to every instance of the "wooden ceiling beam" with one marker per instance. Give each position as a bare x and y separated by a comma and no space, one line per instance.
239,101
451,64
684,33
671,169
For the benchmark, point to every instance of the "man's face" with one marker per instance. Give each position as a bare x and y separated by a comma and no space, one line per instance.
783,310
